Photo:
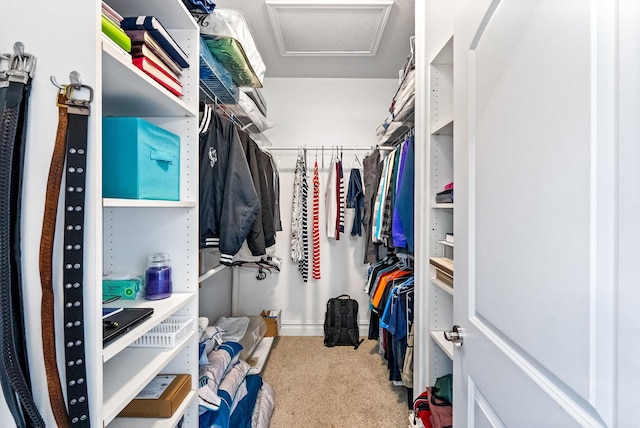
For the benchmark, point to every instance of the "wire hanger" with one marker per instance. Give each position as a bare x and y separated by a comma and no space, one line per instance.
355,160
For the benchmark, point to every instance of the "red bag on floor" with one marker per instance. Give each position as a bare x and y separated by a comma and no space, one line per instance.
421,409
432,411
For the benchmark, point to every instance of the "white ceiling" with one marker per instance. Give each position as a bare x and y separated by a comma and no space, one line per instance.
329,39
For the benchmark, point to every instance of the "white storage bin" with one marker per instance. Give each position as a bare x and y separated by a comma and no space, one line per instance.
166,334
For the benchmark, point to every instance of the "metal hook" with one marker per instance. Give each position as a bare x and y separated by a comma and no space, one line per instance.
18,49
55,83
74,78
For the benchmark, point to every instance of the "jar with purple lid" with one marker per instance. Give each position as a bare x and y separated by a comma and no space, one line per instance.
158,277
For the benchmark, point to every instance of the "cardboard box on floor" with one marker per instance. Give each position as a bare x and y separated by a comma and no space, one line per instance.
165,405
273,320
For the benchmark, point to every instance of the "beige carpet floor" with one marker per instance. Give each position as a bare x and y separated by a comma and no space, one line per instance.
335,387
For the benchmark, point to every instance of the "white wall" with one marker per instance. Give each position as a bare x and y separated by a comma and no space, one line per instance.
316,112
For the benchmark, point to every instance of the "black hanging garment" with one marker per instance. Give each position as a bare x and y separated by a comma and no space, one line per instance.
341,322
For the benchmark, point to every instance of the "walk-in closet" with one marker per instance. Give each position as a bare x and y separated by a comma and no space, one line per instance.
279,213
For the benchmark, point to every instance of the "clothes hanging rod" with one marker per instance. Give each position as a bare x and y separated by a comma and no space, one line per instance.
343,148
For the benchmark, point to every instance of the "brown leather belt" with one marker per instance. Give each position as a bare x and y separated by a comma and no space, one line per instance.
56,397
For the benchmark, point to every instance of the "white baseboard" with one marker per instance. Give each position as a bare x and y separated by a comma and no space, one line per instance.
312,328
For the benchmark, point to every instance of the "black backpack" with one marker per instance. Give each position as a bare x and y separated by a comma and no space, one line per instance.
341,322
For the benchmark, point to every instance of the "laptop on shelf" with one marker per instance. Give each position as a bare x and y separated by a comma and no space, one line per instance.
120,322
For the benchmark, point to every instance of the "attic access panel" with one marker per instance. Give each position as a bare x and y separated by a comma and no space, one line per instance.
329,28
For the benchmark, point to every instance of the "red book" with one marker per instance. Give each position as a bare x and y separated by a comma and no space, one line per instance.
157,74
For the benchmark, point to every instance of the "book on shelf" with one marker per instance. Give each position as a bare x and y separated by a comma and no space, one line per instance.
444,269
110,13
442,263
116,34
142,50
444,197
157,74
107,312
143,37
449,238
159,34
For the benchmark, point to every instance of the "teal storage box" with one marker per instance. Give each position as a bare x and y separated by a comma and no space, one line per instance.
139,160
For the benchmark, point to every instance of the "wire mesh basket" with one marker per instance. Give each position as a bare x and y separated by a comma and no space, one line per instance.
166,334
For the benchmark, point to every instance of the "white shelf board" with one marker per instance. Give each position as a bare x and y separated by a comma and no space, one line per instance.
443,128
144,203
261,353
128,91
446,243
446,287
446,206
211,272
130,371
444,344
161,310
155,422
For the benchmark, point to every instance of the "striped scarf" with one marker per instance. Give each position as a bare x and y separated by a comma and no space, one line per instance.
316,221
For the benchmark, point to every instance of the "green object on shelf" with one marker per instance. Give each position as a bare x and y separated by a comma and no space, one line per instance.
116,34
232,56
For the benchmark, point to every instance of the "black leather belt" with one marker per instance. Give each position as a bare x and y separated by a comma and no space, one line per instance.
75,178
14,373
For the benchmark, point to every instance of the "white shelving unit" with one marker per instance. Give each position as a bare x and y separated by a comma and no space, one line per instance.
133,229
440,218
119,234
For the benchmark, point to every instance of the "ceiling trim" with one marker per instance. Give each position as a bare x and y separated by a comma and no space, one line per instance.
274,8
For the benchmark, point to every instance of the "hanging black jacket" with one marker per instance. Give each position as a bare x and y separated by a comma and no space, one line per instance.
262,234
229,204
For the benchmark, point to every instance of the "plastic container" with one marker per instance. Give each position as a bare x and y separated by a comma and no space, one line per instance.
167,334
158,277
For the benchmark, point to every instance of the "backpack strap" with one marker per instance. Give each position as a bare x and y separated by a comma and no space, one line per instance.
352,323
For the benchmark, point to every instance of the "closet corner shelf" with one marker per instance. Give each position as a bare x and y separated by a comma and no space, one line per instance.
442,206
442,284
443,128
128,91
155,422
132,370
161,310
211,272
444,344
145,203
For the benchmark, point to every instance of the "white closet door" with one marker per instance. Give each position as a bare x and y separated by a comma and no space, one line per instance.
535,203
